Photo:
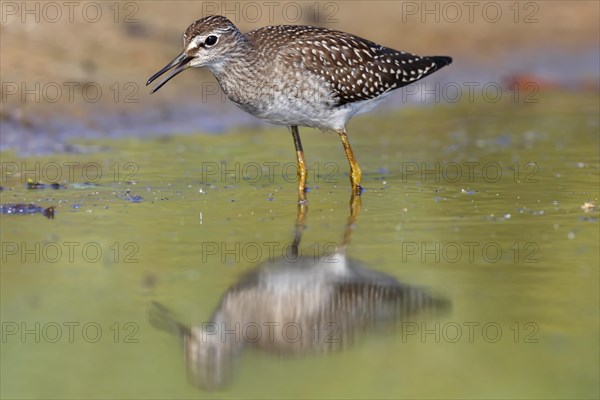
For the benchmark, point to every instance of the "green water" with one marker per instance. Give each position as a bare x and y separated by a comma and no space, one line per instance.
496,227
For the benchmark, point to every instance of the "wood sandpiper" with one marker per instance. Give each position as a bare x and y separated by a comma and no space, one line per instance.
299,76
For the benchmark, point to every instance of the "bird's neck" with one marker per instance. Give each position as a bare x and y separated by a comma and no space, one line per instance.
238,70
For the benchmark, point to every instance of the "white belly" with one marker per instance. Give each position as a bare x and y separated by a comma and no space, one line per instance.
309,105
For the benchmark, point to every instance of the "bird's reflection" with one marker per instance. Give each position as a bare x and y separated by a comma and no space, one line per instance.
295,305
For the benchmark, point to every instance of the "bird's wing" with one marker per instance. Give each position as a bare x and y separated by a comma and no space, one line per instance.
355,68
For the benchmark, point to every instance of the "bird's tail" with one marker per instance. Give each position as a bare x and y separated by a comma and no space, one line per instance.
440,61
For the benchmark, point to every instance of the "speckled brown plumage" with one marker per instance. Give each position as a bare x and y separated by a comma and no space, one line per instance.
324,70
299,75
355,68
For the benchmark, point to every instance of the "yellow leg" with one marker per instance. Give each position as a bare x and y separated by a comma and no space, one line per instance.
355,206
355,172
301,166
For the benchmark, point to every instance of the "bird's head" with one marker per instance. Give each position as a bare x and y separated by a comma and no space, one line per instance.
208,42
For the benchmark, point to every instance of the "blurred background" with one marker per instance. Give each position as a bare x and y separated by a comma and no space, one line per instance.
80,70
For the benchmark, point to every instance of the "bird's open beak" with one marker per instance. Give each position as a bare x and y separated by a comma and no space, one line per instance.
180,63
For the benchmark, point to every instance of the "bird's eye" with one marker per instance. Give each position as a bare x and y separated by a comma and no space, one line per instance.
211,40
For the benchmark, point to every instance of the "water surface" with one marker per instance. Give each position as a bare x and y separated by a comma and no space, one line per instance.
478,204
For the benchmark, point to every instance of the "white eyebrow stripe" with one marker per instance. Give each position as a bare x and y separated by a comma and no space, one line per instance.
195,43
